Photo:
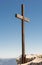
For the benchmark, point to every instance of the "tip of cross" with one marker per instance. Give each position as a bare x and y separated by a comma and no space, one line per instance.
22,4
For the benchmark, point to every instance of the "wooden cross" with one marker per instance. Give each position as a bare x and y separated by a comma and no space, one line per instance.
27,20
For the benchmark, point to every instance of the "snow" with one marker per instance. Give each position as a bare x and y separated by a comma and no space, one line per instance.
36,61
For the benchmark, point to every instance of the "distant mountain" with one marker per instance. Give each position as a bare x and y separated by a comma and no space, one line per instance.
8,62
32,59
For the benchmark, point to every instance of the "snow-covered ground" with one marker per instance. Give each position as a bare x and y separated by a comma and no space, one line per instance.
36,61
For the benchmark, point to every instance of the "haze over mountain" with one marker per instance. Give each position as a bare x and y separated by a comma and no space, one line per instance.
8,62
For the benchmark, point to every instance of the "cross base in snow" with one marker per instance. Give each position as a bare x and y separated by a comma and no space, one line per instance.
23,58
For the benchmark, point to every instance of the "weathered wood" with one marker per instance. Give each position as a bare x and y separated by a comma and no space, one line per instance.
21,17
23,41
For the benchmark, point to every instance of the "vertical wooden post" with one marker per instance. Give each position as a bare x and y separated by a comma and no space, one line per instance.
23,44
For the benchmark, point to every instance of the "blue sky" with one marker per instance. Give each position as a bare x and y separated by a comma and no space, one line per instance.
10,27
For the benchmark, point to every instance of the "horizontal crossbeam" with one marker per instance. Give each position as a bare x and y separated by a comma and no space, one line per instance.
21,17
